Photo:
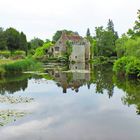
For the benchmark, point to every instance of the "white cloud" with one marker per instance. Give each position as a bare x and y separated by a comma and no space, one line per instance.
43,17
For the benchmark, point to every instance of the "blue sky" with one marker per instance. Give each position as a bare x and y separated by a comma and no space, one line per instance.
42,18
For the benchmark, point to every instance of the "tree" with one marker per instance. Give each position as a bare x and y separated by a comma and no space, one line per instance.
35,43
23,42
88,33
12,38
135,32
105,42
56,36
3,43
120,45
137,25
110,26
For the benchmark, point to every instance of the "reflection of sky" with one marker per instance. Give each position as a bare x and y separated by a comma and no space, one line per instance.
85,115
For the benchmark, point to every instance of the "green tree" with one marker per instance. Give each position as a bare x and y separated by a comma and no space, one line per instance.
135,32
88,33
105,45
35,43
137,25
23,42
13,39
120,45
110,26
3,42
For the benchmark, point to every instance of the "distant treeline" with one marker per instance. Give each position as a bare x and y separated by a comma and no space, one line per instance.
105,45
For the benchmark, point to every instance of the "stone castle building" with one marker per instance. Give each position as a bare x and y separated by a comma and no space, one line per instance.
80,47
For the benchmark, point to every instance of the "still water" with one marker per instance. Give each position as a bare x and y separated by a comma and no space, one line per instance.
75,102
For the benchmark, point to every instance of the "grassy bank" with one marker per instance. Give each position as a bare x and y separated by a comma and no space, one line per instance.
18,66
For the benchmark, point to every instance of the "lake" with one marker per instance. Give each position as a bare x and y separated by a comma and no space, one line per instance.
75,102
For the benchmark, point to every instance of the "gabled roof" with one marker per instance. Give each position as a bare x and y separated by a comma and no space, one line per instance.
71,37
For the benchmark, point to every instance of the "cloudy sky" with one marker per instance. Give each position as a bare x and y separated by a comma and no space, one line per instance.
42,18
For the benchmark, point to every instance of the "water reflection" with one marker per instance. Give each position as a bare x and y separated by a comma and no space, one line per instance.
131,88
102,76
75,76
13,83
84,74
98,110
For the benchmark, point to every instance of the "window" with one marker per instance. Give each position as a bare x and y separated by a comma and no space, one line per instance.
56,48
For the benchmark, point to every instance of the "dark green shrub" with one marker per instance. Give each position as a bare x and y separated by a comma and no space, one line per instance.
129,66
133,67
120,65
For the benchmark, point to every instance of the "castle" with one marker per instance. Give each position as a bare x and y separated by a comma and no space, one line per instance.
79,45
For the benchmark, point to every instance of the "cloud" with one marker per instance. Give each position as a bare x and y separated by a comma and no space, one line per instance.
43,18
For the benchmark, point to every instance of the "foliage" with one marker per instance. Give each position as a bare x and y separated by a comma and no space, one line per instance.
18,52
102,60
102,76
133,67
41,51
35,43
120,45
105,40
68,49
131,88
128,47
88,33
21,65
3,42
23,42
135,32
15,40
133,47
129,66
5,54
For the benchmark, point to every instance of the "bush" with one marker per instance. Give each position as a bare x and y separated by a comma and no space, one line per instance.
5,54
133,67
41,51
120,64
19,53
129,66
21,65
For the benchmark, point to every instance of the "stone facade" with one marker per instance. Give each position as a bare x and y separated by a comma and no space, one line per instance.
80,47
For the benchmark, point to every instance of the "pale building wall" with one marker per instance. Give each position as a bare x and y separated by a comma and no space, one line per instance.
78,53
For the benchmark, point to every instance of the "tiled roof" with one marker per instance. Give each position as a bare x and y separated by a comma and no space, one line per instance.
71,37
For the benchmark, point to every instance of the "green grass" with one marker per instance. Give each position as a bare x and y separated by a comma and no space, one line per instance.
18,66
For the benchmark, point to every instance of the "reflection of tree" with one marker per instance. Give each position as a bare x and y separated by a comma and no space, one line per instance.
132,89
102,76
13,83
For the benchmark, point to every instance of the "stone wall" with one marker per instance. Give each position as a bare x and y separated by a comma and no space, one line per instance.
78,53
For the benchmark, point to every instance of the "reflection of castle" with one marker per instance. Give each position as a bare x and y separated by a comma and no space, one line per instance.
77,76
